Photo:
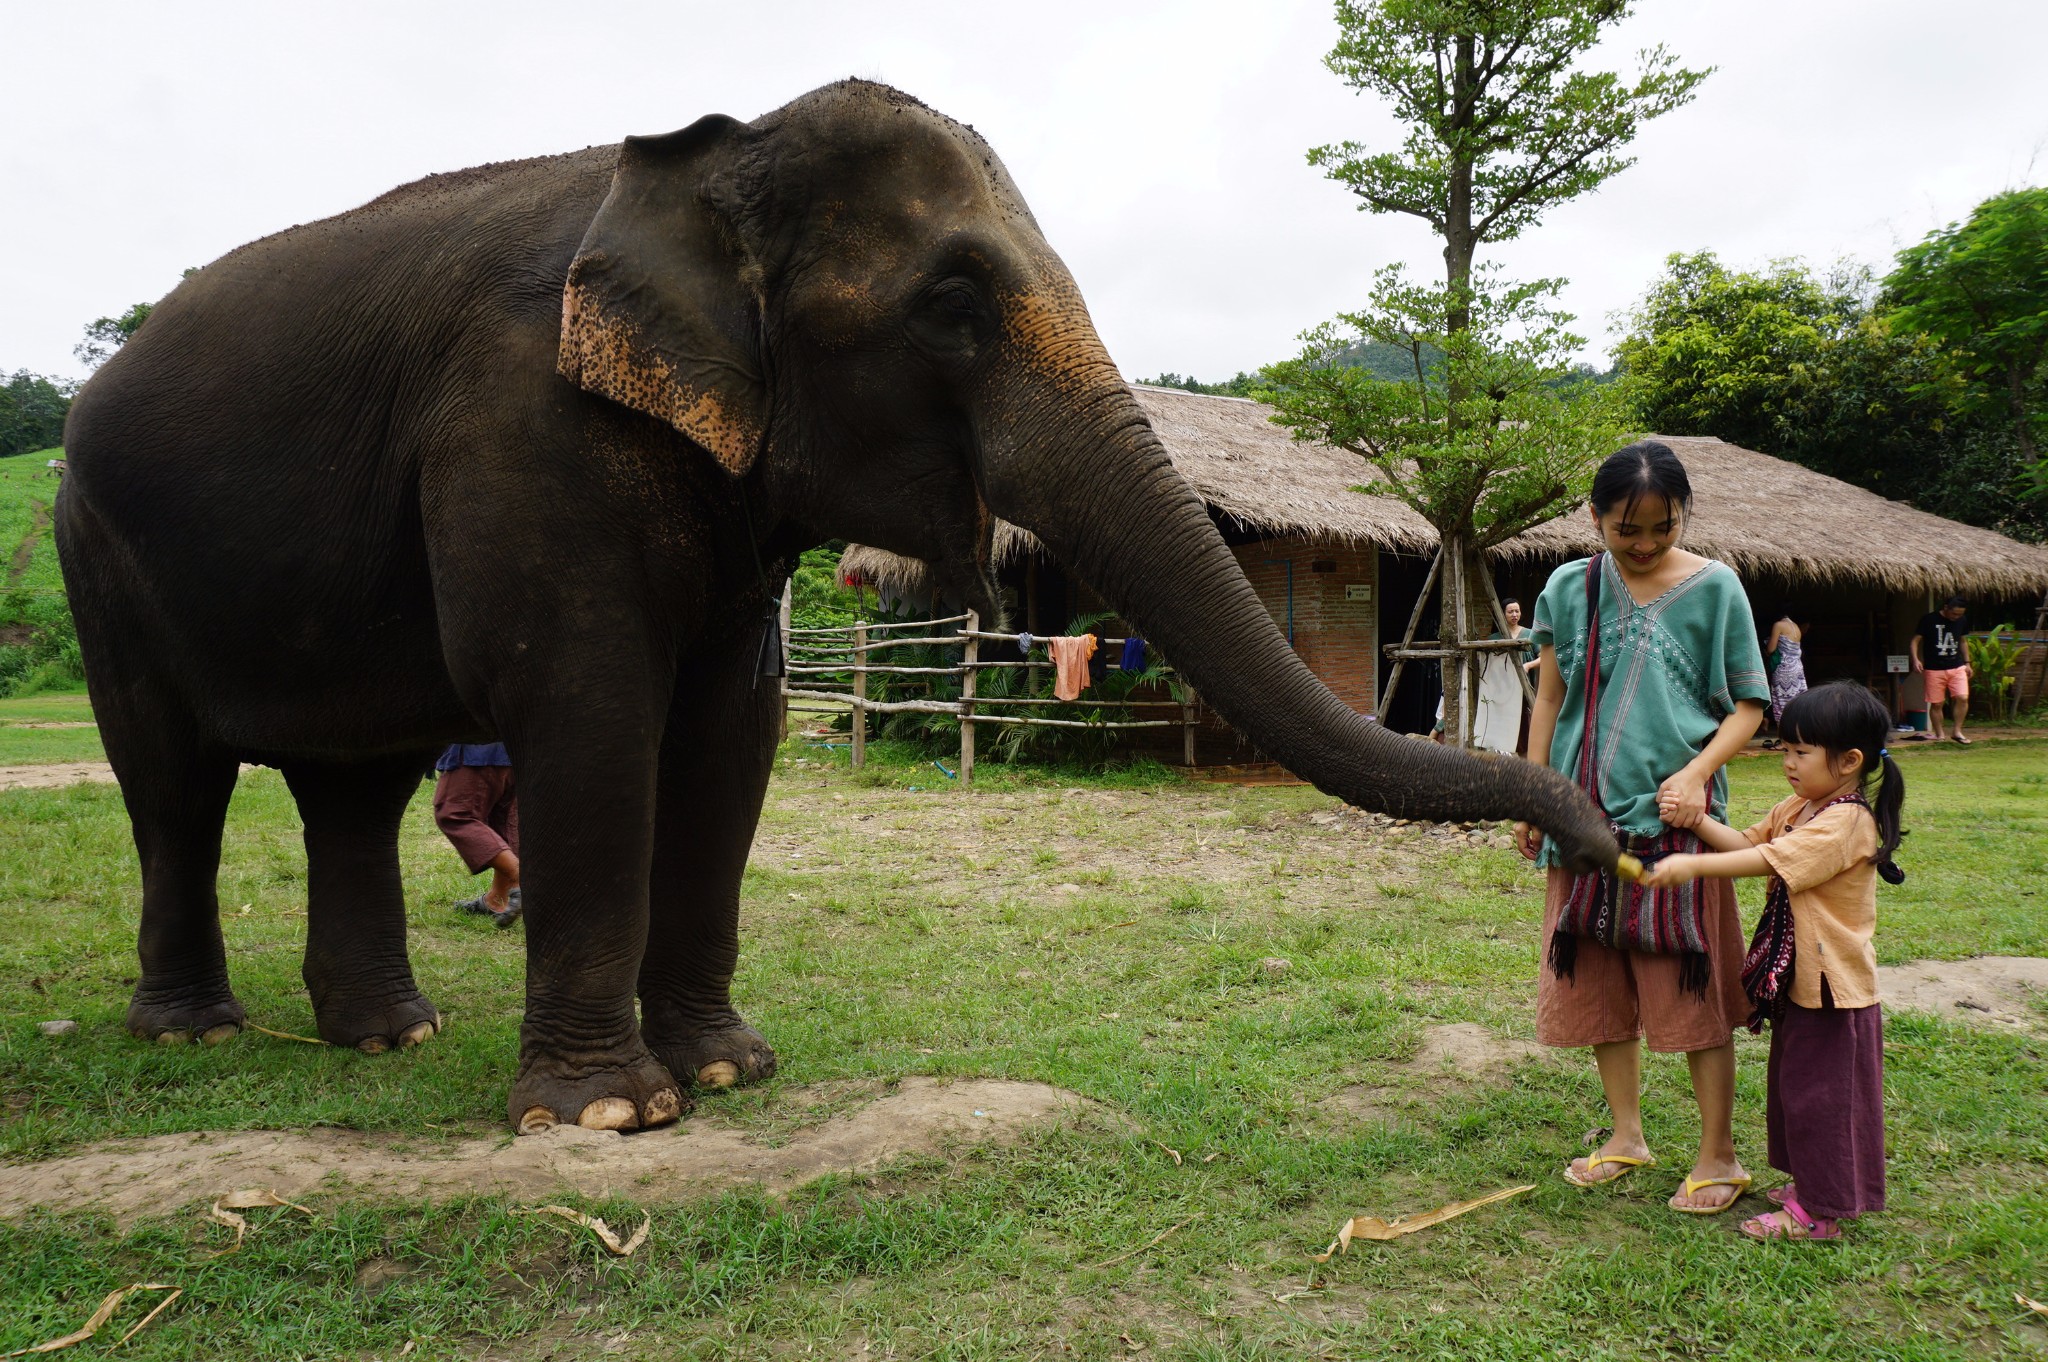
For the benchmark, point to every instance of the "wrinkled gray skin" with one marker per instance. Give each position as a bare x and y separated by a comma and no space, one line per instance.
480,458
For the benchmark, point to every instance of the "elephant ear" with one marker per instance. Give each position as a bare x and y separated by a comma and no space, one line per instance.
658,313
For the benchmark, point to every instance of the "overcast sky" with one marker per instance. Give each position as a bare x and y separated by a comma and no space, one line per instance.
1161,144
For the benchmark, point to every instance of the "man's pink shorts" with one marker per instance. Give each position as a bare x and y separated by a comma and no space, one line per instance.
1949,681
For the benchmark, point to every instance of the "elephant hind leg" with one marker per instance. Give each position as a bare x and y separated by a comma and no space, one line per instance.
356,967
176,786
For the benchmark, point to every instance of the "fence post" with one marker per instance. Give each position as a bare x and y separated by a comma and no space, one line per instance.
970,672
860,693
782,612
1187,729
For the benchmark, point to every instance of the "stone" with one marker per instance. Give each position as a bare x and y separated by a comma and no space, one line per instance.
58,1028
1273,966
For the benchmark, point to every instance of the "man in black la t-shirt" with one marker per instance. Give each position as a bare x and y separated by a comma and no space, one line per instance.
1939,657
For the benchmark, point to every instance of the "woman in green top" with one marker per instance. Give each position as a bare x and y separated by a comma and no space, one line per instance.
1678,688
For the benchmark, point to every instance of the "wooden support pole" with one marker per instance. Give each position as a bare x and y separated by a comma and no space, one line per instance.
968,674
1408,634
860,694
1187,729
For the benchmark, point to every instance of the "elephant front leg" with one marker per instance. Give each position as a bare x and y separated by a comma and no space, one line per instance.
586,816
715,765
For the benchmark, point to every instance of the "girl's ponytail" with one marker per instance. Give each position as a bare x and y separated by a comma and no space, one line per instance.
1842,716
1891,795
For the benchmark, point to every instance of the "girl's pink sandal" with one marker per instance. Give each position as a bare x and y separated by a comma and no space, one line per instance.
1791,1223
1778,1196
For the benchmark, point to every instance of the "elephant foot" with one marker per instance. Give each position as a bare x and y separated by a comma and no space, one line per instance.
627,1096
208,1017
374,1025
714,1057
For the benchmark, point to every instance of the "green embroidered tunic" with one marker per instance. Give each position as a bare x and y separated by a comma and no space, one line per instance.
1670,672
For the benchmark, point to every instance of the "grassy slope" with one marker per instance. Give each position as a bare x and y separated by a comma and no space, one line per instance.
24,481
893,932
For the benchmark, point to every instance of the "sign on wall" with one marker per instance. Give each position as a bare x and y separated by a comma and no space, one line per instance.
1358,591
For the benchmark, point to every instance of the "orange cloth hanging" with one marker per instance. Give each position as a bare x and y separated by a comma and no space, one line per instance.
1070,655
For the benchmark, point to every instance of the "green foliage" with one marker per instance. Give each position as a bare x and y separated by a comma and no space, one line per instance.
1981,289
108,334
32,412
1820,370
1994,657
1501,127
1488,434
818,599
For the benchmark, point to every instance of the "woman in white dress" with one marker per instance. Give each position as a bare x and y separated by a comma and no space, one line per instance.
1497,726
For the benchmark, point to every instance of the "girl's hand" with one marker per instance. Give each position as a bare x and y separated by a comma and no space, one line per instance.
1528,840
1669,871
1682,800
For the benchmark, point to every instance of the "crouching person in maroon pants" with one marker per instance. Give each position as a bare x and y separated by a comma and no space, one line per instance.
477,809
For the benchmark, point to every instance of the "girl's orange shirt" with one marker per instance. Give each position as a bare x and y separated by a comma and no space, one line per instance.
1826,866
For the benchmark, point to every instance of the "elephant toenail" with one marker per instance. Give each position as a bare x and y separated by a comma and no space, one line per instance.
536,1120
415,1034
173,1037
373,1045
719,1073
664,1106
609,1113
225,1031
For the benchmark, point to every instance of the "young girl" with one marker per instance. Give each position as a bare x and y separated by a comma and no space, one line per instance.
1650,680
1811,971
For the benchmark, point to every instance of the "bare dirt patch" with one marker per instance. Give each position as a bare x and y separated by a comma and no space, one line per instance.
52,723
53,775
1459,1051
1990,990
156,1176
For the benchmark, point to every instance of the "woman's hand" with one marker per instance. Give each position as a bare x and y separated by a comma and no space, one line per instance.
1682,800
1669,871
1528,840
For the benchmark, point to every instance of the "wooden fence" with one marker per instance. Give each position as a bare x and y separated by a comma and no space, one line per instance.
828,671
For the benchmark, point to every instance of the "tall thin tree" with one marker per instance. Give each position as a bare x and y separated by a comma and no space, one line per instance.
1490,435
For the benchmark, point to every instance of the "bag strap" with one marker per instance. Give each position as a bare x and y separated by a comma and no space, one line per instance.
1589,758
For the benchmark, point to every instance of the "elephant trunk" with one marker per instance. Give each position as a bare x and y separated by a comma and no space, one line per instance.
1085,472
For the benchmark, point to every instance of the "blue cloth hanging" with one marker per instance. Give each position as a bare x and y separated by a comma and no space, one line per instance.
1134,654
1024,642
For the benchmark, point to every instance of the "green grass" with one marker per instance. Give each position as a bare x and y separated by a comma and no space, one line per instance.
1103,934
24,743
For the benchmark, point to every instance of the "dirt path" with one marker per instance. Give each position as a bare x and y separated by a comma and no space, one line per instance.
26,549
156,1176
52,775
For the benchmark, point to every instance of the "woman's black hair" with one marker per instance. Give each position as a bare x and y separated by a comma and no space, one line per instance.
1786,611
1507,601
1842,716
1646,468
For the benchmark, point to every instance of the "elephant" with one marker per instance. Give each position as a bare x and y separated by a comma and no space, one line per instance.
523,453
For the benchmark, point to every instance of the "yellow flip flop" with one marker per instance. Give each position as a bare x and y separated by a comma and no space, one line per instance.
1741,1186
1627,1164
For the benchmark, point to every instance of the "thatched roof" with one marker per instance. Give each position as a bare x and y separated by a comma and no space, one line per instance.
1760,514
1752,511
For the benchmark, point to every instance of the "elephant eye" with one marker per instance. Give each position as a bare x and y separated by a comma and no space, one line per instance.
958,299
951,320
